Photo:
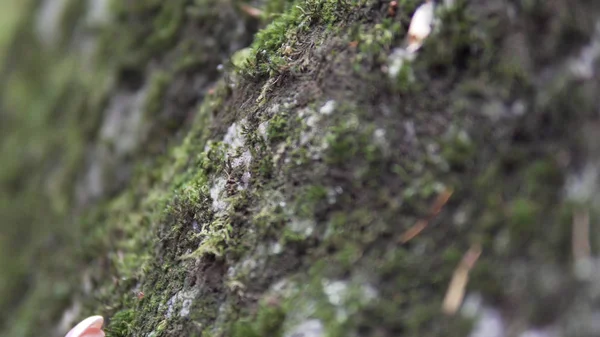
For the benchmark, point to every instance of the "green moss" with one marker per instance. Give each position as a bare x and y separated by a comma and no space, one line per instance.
12,14
240,57
538,175
271,44
523,218
455,46
278,130
274,8
215,239
375,42
267,322
121,324
50,112
141,31
312,199
166,24
458,150
344,145
158,84
71,19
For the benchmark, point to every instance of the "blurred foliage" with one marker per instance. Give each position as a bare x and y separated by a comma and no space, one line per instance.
9,16
13,266
42,141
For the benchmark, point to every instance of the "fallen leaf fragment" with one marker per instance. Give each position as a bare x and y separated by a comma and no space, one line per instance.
440,201
581,235
252,11
435,209
458,284
420,26
413,231
583,263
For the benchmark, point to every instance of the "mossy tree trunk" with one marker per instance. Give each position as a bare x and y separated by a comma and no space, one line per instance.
149,179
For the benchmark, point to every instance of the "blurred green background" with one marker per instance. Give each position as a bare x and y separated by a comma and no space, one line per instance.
32,208
9,16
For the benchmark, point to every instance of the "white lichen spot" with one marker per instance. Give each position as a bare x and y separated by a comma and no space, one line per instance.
333,193
303,227
309,328
284,288
216,194
584,268
305,138
123,126
397,60
185,308
495,110
340,293
582,187
196,226
410,132
311,133
98,12
380,140
328,108
234,136
583,66
262,130
235,140
518,108
331,196
245,181
279,152
181,301
275,248
248,265
92,185
312,121
242,160
120,134
471,305
489,324
488,321
291,103
335,291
